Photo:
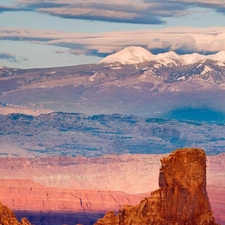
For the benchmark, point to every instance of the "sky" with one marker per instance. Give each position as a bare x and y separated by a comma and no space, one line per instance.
52,33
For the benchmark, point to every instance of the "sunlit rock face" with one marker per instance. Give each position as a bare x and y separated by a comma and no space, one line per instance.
25,195
7,217
181,198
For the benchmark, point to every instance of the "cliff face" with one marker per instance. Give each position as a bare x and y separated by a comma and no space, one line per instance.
181,199
19,195
7,217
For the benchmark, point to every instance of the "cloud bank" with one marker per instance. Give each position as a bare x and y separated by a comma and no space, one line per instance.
136,12
126,11
179,39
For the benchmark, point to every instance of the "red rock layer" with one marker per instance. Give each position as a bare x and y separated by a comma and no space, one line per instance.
27,195
217,200
181,198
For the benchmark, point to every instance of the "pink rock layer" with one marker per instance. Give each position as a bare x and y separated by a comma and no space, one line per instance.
128,173
217,200
27,195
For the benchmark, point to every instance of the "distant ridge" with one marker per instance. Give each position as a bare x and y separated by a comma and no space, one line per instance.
137,54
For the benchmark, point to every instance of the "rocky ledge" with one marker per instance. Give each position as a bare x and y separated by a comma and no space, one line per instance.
7,217
181,199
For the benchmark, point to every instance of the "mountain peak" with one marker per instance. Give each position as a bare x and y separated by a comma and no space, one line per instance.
129,55
219,56
137,54
170,54
168,58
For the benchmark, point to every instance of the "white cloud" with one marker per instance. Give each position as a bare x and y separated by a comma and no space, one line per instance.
126,11
216,45
186,43
179,39
113,11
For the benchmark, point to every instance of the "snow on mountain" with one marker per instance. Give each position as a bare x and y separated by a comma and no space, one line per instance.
206,70
192,58
136,54
220,56
168,59
129,55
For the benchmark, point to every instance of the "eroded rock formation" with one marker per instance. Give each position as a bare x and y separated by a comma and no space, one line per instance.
181,199
7,217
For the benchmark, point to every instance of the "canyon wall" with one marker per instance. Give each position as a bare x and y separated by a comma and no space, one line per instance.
27,195
110,172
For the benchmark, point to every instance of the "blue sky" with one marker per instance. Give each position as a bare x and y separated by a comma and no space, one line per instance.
49,33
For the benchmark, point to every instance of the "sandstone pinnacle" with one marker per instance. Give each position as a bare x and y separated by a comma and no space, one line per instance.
180,200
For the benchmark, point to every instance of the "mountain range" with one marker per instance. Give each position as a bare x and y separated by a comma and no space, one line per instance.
136,54
132,81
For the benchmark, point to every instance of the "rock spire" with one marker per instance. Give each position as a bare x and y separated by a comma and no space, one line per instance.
180,200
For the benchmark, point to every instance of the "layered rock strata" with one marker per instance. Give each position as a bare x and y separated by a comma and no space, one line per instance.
7,217
25,195
109,172
181,199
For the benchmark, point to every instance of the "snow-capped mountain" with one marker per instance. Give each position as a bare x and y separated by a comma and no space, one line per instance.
192,58
168,59
219,57
130,81
137,54
129,55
